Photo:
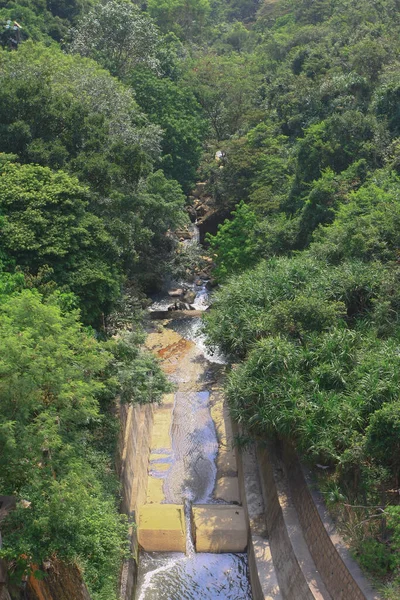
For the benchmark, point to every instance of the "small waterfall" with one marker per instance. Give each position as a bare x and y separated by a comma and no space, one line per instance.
187,508
163,302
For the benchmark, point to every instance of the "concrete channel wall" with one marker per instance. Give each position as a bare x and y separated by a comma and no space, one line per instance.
132,467
340,573
298,525
292,582
263,578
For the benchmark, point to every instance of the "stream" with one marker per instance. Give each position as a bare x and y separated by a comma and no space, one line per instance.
190,476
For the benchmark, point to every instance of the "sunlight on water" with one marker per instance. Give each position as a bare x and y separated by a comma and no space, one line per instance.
190,329
195,446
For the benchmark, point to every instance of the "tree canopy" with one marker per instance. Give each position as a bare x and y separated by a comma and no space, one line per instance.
110,112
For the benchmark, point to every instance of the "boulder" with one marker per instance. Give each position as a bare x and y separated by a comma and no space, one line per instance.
189,296
203,275
201,210
176,293
212,283
192,213
179,305
199,189
184,234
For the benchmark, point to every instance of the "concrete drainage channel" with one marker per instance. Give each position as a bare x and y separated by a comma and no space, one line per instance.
213,523
192,529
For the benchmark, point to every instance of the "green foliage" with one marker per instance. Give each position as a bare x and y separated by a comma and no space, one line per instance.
255,168
118,36
393,514
233,244
383,437
366,226
174,108
65,111
57,434
183,17
51,381
224,91
138,373
236,10
42,20
291,296
45,223
374,557
160,204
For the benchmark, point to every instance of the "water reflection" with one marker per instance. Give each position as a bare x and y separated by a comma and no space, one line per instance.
173,576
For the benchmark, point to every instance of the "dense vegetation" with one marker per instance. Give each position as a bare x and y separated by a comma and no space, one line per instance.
309,302
88,207
109,112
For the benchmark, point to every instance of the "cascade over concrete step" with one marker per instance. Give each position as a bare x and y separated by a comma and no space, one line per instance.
217,528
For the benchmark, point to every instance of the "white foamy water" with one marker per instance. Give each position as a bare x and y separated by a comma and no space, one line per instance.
202,300
173,576
190,329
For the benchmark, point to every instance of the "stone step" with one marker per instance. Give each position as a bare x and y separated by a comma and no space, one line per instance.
219,528
161,528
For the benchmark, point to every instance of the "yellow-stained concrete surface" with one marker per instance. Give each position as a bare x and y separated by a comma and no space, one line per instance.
161,528
219,528
227,489
155,493
161,450
226,485
226,461
162,417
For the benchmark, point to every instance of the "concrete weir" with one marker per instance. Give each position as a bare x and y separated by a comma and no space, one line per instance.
216,528
161,528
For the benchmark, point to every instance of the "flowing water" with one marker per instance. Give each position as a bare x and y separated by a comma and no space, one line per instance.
191,476
194,443
190,328
173,576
